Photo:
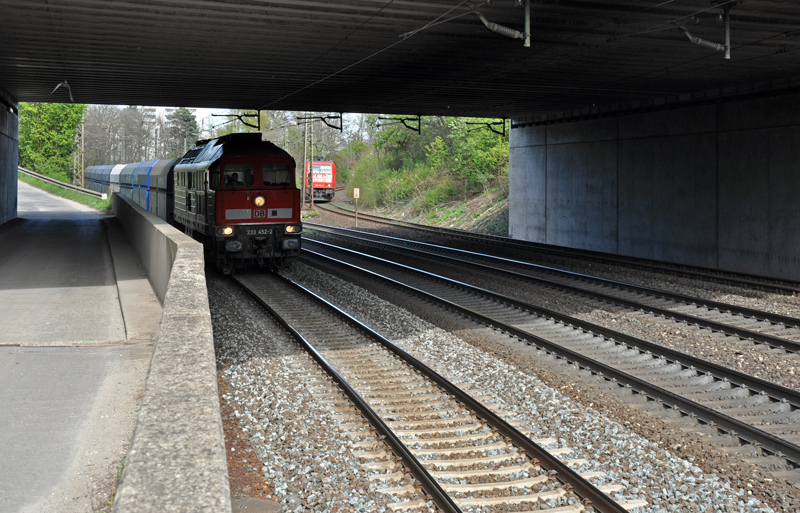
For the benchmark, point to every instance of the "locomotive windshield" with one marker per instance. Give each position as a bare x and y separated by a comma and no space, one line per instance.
323,173
275,173
238,175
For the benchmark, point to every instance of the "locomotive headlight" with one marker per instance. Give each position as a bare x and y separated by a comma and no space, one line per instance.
294,228
260,201
225,230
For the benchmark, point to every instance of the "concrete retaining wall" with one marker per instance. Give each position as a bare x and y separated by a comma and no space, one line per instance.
9,156
176,461
713,186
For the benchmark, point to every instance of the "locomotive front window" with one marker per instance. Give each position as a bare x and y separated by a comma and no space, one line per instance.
275,173
238,175
323,173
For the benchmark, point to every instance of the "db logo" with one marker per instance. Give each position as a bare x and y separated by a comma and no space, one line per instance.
260,213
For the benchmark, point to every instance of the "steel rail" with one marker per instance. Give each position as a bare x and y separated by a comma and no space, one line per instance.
582,487
599,500
734,427
743,333
684,360
762,282
428,483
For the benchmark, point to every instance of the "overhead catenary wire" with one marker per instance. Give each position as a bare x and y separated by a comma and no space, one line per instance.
345,38
540,52
331,75
667,25
408,35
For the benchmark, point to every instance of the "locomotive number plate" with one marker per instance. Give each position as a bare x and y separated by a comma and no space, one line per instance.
258,231
237,213
279,213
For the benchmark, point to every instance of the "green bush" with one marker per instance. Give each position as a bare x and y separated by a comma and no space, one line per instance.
449,159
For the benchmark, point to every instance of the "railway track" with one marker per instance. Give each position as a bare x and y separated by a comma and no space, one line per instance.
461,453
775,331
524,249
732,406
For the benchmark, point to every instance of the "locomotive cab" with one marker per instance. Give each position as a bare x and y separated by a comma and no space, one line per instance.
323,179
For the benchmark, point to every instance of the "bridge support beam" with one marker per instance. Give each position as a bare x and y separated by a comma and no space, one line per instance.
9,156
713,185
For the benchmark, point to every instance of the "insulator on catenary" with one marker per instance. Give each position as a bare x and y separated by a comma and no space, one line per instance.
499,29
704,42
505,3
505,31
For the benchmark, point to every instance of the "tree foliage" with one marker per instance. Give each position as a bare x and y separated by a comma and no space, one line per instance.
136,134
447,161
181,132
449,158
47,135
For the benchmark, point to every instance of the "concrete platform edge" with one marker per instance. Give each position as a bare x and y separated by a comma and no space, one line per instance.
176,461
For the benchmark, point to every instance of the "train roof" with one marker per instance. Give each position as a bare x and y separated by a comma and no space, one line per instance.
207,151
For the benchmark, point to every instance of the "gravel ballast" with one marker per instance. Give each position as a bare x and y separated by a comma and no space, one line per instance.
300,448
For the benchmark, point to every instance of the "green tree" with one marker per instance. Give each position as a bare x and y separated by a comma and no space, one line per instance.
47,134
449,157
182,131
480,156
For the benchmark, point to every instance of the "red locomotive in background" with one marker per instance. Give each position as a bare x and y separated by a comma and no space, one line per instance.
236,194
324,179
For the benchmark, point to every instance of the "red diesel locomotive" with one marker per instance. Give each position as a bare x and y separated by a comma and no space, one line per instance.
324,179
239,192
236,194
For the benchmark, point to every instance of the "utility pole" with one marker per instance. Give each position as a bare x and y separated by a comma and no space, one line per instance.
83,146
311,165
305,152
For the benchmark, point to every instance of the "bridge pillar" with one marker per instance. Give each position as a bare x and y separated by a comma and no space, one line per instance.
714,185
9,156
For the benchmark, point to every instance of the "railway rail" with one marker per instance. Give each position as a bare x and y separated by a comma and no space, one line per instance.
479,242
747,324
460,452
62,185
727,403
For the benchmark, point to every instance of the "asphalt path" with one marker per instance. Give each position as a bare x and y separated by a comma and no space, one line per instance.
78,318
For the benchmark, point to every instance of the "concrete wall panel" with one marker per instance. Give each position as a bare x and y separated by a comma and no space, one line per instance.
176,459
582,195
527,192
9,157
775,111
712,185
529,136
667,203
669,122
759,210
582,131
784,193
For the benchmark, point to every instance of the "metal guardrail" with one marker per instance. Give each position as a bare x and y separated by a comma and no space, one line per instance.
63,185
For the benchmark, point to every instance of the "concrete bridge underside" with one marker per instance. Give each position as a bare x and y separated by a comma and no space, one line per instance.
634,134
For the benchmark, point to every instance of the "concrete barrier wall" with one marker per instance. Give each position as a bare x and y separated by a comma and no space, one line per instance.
176,461
713,186
9,156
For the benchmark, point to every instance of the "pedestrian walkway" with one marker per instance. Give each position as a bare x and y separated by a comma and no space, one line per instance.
78,318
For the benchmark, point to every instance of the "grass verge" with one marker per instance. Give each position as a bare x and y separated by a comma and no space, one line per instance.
117,479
